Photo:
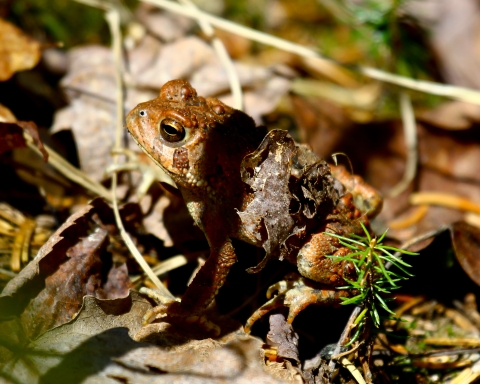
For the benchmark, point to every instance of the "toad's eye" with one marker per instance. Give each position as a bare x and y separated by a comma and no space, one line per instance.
142,113
171,130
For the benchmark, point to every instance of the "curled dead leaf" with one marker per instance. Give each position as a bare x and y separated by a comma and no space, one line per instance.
291,189
73,263
267,171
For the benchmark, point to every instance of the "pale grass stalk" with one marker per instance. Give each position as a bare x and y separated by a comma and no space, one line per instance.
69,171
411,142
113,20
219,47
453,92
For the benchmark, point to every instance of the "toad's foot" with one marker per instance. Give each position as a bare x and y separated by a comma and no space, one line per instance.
297,293
172,312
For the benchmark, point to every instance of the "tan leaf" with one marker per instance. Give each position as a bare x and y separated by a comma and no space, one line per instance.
18,52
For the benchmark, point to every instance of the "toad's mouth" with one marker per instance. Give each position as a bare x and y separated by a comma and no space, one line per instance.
165,176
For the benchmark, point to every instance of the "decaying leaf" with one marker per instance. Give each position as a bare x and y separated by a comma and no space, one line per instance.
283,337
101,331
19,291
11,136
166,26
267,172
291,187
99,346
18,52
453,32
73,263
453,115
466,243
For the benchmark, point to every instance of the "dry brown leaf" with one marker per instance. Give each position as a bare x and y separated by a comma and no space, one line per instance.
453,28
323,124
291,187
267,216
282,336
265,96
18,292
177,60
90,84
72,264
466,243
18,52
83,347
11,136
99,345
166,26
453,115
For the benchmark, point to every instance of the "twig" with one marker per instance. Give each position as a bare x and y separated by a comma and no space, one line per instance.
113,20
410,134
336,357
458,93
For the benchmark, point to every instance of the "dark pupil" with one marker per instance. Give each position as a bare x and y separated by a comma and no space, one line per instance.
170,130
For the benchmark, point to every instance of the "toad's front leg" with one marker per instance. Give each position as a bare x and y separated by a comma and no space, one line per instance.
297,293
201,291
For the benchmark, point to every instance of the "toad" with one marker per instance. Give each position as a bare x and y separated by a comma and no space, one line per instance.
265,189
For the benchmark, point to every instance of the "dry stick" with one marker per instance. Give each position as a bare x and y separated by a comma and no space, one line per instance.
459,93
336,357
222,54
410,134
113,20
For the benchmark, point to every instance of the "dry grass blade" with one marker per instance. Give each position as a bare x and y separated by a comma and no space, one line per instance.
165,266
458,93
21,245
411,142
225,59
113,20
69,171
445,200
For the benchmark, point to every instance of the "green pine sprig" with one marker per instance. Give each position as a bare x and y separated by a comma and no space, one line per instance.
374,281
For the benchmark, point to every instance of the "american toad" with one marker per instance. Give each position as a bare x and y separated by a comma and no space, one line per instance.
216,156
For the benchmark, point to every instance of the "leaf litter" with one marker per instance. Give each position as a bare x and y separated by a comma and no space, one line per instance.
51,300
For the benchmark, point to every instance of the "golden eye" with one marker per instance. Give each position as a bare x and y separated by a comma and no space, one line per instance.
171,130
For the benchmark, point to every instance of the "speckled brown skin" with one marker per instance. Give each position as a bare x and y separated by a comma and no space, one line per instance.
200,143
205,166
